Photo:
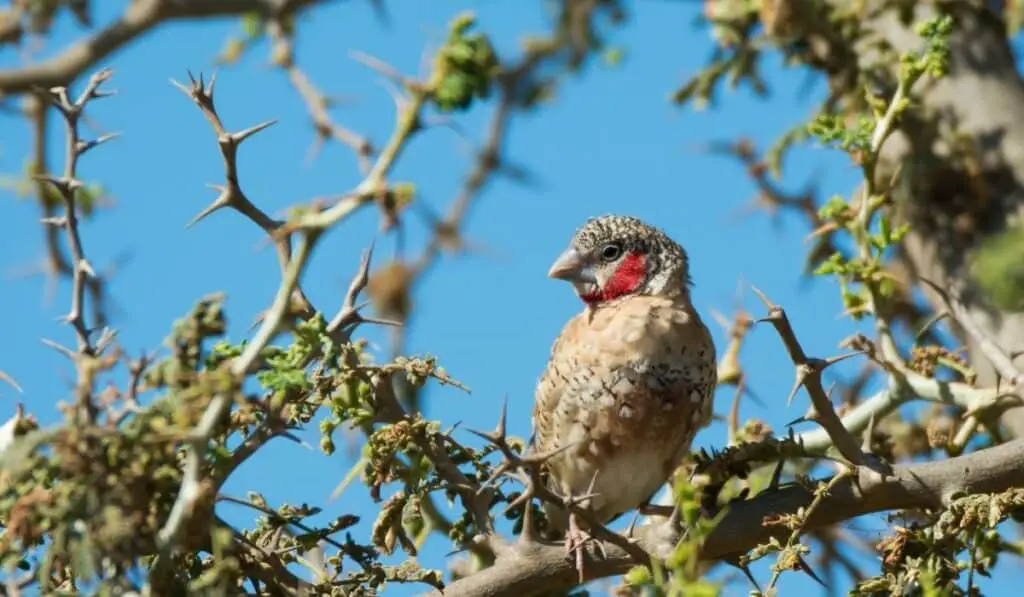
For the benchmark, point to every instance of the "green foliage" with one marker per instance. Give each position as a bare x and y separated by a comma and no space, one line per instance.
998,266
863,281
680,574
931,551
122,480
464,68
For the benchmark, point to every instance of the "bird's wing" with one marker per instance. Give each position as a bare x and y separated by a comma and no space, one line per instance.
551,386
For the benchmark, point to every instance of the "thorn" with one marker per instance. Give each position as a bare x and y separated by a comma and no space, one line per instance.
106,337
84,146
240,136
67,352
721,319
524,498
213,82
801,379
777,474
100,77
764,299
379,66
821,365
221,202
181,87
748,391
746,572
807,569
502,469
291,436
538,459
364,261
380,321
10,381
797,421
397,96
86,268
501,427
496,437
868,434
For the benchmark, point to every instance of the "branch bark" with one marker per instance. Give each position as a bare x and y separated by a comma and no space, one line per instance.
534,568
139,18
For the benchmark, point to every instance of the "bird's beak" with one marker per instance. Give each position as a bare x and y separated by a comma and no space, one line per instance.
570,266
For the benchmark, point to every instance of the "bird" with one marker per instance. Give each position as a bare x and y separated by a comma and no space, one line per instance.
629,381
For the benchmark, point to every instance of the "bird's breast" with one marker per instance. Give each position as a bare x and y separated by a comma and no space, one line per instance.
625,390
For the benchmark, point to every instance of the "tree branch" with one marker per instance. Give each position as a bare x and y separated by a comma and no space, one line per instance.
1001,361
808,375
909,386
535,568
139,18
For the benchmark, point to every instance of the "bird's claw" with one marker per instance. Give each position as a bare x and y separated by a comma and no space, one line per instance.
576,540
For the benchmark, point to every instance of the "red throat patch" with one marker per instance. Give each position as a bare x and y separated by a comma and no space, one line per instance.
626,279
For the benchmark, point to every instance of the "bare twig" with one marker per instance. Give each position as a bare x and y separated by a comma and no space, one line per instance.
231,194
1000,360
808,375
138,18
316,103
68,185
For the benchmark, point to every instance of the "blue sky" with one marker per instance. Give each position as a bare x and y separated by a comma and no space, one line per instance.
609,143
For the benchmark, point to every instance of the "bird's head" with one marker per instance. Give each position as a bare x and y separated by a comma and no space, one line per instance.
616,256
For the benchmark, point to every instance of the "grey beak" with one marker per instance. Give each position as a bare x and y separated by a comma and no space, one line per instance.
570,266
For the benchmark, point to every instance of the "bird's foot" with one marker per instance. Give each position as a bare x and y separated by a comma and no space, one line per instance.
576,540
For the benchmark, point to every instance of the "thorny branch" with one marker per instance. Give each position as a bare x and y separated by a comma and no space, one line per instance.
68,186
55,265
537,567
808,375
230,194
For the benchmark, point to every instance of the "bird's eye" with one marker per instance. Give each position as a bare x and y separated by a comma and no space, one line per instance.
611,251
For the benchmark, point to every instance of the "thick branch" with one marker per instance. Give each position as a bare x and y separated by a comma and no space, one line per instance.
538,568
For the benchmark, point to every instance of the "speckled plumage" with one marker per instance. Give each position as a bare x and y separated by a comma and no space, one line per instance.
630,380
